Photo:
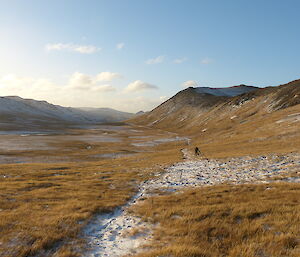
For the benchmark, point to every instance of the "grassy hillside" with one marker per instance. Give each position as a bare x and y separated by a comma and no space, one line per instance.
262,121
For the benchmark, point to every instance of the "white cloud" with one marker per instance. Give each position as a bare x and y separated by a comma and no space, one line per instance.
83,81
108,76
13,81
189,83
207,60
39,88
13,84
120,46
83,49
77,80
104,88
158,59
180,60
139,85
80,80
91,94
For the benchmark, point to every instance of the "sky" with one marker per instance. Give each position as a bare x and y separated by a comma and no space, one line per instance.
132,55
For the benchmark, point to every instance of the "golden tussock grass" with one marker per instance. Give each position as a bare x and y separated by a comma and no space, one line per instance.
44,206
225,220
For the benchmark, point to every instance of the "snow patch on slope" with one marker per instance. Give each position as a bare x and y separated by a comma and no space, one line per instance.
226,91
24,109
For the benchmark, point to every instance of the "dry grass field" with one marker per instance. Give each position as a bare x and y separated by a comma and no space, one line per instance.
44,206
76,144
226,220
63,179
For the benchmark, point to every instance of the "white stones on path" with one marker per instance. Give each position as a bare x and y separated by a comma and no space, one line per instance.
107,234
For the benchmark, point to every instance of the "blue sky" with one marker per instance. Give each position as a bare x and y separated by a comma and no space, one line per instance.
132,55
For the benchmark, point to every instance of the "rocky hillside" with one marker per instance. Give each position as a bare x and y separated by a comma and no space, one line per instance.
240,119
189,103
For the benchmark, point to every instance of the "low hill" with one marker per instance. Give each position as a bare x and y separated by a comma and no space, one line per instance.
105,114
17,111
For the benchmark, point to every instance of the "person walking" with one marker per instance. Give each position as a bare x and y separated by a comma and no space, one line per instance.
197,151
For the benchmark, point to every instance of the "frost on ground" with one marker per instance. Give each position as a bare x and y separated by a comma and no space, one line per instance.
109,234
161,141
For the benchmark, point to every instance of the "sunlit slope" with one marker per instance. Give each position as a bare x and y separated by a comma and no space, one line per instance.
188,105
260,121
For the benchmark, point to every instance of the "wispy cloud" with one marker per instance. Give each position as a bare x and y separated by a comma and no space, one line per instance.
139,85
158,59
120,46
207,60
83,49
180,60
189,83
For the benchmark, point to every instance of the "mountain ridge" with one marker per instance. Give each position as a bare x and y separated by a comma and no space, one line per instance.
190,99
29,111
264,119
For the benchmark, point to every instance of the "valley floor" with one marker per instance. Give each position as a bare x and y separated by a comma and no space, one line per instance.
52,184
111,190
123,232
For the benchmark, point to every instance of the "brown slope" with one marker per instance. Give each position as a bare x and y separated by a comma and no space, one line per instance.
184,107
262,121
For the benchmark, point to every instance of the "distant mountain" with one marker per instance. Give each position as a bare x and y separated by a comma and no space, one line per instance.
106,114
17,110
140,113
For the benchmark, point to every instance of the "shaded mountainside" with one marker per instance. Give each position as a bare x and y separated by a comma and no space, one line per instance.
105,114
250,120
16,110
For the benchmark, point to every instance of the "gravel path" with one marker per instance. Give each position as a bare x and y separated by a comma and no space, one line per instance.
108,234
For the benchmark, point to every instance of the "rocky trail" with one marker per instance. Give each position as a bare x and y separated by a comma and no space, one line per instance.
109,234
